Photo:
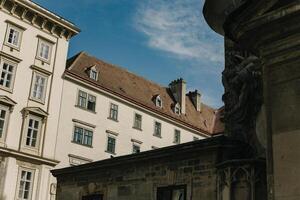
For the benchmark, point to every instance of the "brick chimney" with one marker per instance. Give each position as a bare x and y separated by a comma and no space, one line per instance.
178,89
196,99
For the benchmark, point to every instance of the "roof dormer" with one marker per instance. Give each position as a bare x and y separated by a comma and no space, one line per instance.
158,101
93,73
177,109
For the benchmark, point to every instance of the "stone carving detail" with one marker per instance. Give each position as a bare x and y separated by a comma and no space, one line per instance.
243,94
241,181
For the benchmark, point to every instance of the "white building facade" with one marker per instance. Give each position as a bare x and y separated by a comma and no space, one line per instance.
53,117
33,52
108,111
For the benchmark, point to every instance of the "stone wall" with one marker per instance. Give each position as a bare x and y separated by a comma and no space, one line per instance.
139,176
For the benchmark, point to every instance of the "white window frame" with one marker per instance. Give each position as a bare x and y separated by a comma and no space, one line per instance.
134,120
157,100
39,49
85,106
92,73
32,171
6,119
39,131
154,131
44,92
177,109
13,74
17,29
115,109
115,146
84,130
174,139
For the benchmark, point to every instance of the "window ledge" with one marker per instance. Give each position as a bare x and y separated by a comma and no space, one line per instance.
159,136
137,128
85,145
37,100
13,47
43,60
91,111
112,119
10,90
110,152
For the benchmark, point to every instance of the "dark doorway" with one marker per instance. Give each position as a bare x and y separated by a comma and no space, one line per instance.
171,193
93,197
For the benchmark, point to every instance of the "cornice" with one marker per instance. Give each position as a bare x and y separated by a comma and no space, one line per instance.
26,156
40,17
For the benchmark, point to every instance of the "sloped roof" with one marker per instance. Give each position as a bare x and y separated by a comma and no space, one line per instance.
132,87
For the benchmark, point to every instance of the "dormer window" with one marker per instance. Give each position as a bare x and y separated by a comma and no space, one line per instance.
177,109
93,73
158,101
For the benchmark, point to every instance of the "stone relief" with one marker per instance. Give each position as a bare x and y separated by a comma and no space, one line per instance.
243,96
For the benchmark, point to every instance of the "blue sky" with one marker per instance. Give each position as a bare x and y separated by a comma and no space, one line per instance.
161,40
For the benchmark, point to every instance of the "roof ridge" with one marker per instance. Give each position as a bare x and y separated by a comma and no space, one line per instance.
123,69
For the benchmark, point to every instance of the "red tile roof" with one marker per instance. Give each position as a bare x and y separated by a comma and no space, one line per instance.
140,91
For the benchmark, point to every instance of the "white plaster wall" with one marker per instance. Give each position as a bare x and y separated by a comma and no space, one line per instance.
21,94
100,119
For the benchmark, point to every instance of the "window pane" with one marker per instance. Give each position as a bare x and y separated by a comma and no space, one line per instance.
6,75
111,144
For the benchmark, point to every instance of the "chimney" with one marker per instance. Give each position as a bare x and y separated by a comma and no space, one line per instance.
178,89
196,99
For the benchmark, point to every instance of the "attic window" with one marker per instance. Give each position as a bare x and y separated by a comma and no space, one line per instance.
158,101
93,74
177,109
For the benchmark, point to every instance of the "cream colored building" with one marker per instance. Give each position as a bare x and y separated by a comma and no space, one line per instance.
108,111
53,117
33,50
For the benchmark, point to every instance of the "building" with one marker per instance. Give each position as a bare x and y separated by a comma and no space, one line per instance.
91,110
108,112
34,44
215,168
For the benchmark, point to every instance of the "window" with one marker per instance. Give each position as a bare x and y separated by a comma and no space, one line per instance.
33,131
44,50
177,136
157,129
13,36
83,136
137,121
113,114
39,85
93,74
86,101
111,145
34,120
3,120
25,182
171,193
7,75
91,104
177,109
158,101
93,197
136,148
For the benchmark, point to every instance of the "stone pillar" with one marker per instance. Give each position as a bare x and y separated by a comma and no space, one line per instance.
273,36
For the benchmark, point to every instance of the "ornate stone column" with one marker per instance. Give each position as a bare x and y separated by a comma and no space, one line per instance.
270,30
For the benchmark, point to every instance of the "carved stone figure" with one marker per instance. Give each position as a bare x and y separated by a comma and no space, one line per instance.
243,95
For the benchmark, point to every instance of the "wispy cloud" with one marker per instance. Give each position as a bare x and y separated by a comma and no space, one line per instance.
178,27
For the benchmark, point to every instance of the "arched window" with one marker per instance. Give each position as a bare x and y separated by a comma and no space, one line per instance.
158,101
